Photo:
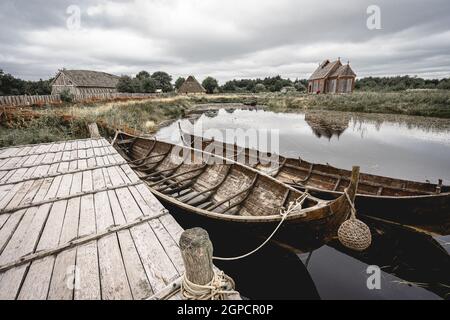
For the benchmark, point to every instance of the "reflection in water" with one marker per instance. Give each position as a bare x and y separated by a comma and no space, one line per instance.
414,265
327,126
412,148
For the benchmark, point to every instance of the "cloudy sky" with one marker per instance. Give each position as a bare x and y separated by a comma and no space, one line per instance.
225,39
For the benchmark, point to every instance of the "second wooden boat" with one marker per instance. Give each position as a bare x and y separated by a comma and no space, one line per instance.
219,189
409,202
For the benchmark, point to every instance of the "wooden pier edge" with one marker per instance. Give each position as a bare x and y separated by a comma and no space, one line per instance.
197,253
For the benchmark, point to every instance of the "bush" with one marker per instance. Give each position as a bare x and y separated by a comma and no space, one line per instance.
260,88
66,96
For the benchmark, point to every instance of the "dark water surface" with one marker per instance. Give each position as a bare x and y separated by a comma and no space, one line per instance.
413,265
413,148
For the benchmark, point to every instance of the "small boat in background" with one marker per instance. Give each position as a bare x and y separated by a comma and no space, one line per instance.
414,203
226,191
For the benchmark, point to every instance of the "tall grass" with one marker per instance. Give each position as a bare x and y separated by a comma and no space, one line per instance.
47,128
419,103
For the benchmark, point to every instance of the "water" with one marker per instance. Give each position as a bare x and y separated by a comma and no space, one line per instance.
413,265
411,148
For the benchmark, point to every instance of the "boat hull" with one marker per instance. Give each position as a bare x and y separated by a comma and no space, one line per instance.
414,203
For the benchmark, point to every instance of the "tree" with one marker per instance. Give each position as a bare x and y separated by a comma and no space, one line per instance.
66,96
299,85
179,82
260,87
125,84
136,85
228,86
164,81
148,85
210,84
143,75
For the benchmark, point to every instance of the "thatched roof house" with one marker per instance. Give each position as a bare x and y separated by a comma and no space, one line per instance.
84,81
332,77
191,86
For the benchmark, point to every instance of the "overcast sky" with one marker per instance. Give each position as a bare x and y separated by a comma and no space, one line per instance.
225,39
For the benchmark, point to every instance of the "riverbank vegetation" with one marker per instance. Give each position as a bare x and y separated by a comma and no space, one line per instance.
146,116
427,103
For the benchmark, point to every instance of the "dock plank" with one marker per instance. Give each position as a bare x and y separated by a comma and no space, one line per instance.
133,262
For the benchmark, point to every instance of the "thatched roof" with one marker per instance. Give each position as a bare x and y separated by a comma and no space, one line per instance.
88,78
191,85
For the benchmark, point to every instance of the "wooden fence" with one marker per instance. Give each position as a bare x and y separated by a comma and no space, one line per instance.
25,100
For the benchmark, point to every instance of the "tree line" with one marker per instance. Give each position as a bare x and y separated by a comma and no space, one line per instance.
400,83
144,82
11,86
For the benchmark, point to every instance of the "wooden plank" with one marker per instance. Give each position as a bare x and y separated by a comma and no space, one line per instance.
158,266
168,243
87,283
3,219
137,278
10,282
62,282
23,242
35,186
160,270
63,277
114,282
37,280
9,227
87,216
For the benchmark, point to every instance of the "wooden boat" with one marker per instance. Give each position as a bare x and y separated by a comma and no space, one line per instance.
409,202
223,190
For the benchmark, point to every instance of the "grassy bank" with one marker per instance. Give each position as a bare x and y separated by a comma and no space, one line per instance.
70,121
47,128
145,116
417,103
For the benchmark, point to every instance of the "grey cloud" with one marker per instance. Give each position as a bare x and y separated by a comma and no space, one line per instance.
225,39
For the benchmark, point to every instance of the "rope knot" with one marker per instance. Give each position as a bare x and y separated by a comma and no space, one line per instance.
218,288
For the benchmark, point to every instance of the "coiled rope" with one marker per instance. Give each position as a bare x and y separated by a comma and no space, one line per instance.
221,285
218,288
294,206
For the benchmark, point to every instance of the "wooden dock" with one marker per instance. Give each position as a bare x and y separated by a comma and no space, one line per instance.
77,223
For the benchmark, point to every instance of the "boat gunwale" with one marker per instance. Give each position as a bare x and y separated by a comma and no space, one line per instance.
427,194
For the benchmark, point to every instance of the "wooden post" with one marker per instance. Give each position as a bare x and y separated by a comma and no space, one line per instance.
93,130
197,251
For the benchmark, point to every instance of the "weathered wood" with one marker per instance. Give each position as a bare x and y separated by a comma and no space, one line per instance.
82,225
63,170
421,203
262,200
37,280
197,252
64,197
77,242
93,130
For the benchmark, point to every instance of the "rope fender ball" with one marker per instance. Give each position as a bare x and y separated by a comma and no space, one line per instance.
353,233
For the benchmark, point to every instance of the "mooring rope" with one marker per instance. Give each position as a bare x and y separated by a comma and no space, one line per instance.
350,202
293,206
220,286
